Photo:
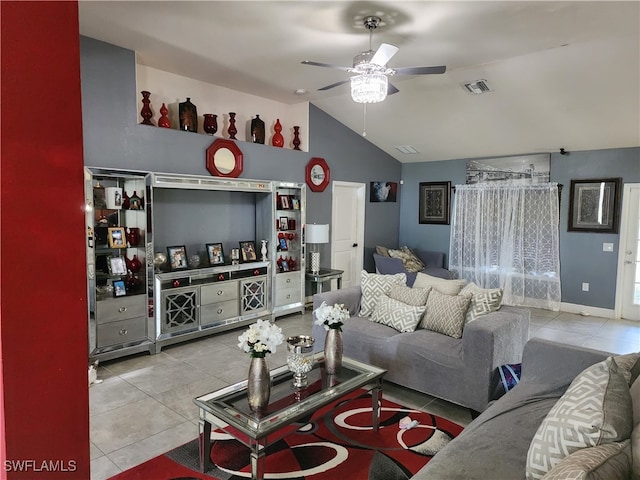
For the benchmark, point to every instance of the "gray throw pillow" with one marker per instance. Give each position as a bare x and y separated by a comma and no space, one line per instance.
484,301
604,462
446,313
448,287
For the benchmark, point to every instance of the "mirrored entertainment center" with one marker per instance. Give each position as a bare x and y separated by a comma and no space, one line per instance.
174,257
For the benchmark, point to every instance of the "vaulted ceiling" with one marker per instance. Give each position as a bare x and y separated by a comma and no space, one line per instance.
562,74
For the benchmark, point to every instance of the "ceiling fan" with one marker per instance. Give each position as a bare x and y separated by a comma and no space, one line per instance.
370,84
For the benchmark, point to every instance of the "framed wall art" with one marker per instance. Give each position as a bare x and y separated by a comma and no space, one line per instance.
177,257
248,251
383,191
435,202
594,205
117,237
215,253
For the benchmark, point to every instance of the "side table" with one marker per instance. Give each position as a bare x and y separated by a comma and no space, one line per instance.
324,275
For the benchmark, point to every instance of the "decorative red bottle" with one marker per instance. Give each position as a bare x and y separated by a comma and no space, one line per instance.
146,112
232,126
296,138
278,139
164,121
133,236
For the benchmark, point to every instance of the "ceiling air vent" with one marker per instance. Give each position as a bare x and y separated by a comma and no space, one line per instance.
406,149
478,87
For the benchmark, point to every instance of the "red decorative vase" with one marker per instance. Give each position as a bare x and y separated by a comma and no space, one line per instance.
296,138
188,115
135,202
134,265
164,121
257,130
146,112
278,139
232,126
133,236
210,124
132,282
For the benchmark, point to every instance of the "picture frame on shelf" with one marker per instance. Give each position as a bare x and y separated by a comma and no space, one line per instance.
113,198
282,242
248,251
117,237
177,255
594,205
435,203
119,288
284,223
285,202
215,254
117,266
295,203
285,266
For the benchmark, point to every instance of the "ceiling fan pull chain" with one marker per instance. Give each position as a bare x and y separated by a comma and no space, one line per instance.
364,120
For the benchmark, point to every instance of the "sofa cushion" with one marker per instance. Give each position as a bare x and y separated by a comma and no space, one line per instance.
595,410
380,250
604,462
373,286
448,287
409,259
398,315
629,365
410,296
446,313
635,434
485,300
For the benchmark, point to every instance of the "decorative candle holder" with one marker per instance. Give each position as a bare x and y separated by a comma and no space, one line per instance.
300,358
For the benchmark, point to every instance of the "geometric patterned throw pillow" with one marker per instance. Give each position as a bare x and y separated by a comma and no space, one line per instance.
445,313
398,315
604,462
595,410
374,286
484,300
410,296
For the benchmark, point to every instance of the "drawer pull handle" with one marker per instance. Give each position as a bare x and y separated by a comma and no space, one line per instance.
220,311
123,331
220,292
122,309
288,280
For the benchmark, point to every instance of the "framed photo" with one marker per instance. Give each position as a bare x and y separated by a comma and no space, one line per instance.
295,203
435,202
117,266
177,257
285,266
282,242
248,251
215,253
117,237
284,223
285,202
119,289
594,205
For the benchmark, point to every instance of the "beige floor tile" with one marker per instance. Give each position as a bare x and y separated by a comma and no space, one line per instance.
94,451
611,345
102,468
112,393
561,336
180,399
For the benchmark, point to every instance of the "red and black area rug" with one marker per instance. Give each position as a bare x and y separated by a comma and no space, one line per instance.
336,442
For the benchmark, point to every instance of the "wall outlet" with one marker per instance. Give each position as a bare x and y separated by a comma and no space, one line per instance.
585,287
607,247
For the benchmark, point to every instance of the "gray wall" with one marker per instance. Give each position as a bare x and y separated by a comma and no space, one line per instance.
581,255
113,139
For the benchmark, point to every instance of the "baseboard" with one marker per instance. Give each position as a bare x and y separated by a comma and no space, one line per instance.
587,310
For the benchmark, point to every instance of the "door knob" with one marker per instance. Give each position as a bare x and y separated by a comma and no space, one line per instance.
355,245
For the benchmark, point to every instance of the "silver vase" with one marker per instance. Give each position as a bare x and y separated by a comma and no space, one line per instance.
258,384
333,351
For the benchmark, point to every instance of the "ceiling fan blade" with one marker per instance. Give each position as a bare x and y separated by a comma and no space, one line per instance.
391,89
420,70
318,64
337,84
383,54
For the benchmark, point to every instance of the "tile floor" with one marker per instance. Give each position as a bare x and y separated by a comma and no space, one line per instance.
144,406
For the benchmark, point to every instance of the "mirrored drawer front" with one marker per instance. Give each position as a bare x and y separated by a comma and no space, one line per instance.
218,311
288,280
285,296
219,292
122,331
115,309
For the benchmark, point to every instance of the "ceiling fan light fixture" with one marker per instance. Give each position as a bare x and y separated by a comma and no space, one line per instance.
369,88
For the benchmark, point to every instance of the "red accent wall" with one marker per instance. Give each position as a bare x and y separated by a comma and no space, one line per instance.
43,304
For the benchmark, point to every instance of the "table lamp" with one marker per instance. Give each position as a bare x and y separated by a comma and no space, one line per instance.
315,235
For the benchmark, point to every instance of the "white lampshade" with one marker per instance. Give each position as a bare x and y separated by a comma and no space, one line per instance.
317,233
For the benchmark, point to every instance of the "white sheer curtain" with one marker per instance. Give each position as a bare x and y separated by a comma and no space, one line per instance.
507,236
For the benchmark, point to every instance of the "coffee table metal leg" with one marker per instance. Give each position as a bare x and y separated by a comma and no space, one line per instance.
257,462
205,445
376,398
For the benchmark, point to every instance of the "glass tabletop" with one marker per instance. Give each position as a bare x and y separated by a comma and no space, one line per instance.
286,403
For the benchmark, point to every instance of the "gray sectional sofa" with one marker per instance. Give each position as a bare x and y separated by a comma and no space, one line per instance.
455,369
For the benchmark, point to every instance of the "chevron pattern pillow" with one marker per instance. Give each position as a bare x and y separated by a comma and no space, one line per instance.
611,461
398,315
410,296
374,286
485,300
595,410
446,313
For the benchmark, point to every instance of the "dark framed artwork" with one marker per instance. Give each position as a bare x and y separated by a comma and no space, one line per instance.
177,257
215,253
435,203
594,205
248,251
284,223
383,191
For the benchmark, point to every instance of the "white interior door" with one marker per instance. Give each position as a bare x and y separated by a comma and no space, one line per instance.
347,238
628,294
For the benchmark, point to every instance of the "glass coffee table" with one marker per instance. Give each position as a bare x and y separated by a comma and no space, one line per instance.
228,409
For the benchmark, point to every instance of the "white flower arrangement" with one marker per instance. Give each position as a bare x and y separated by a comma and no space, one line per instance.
331,317
261,338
